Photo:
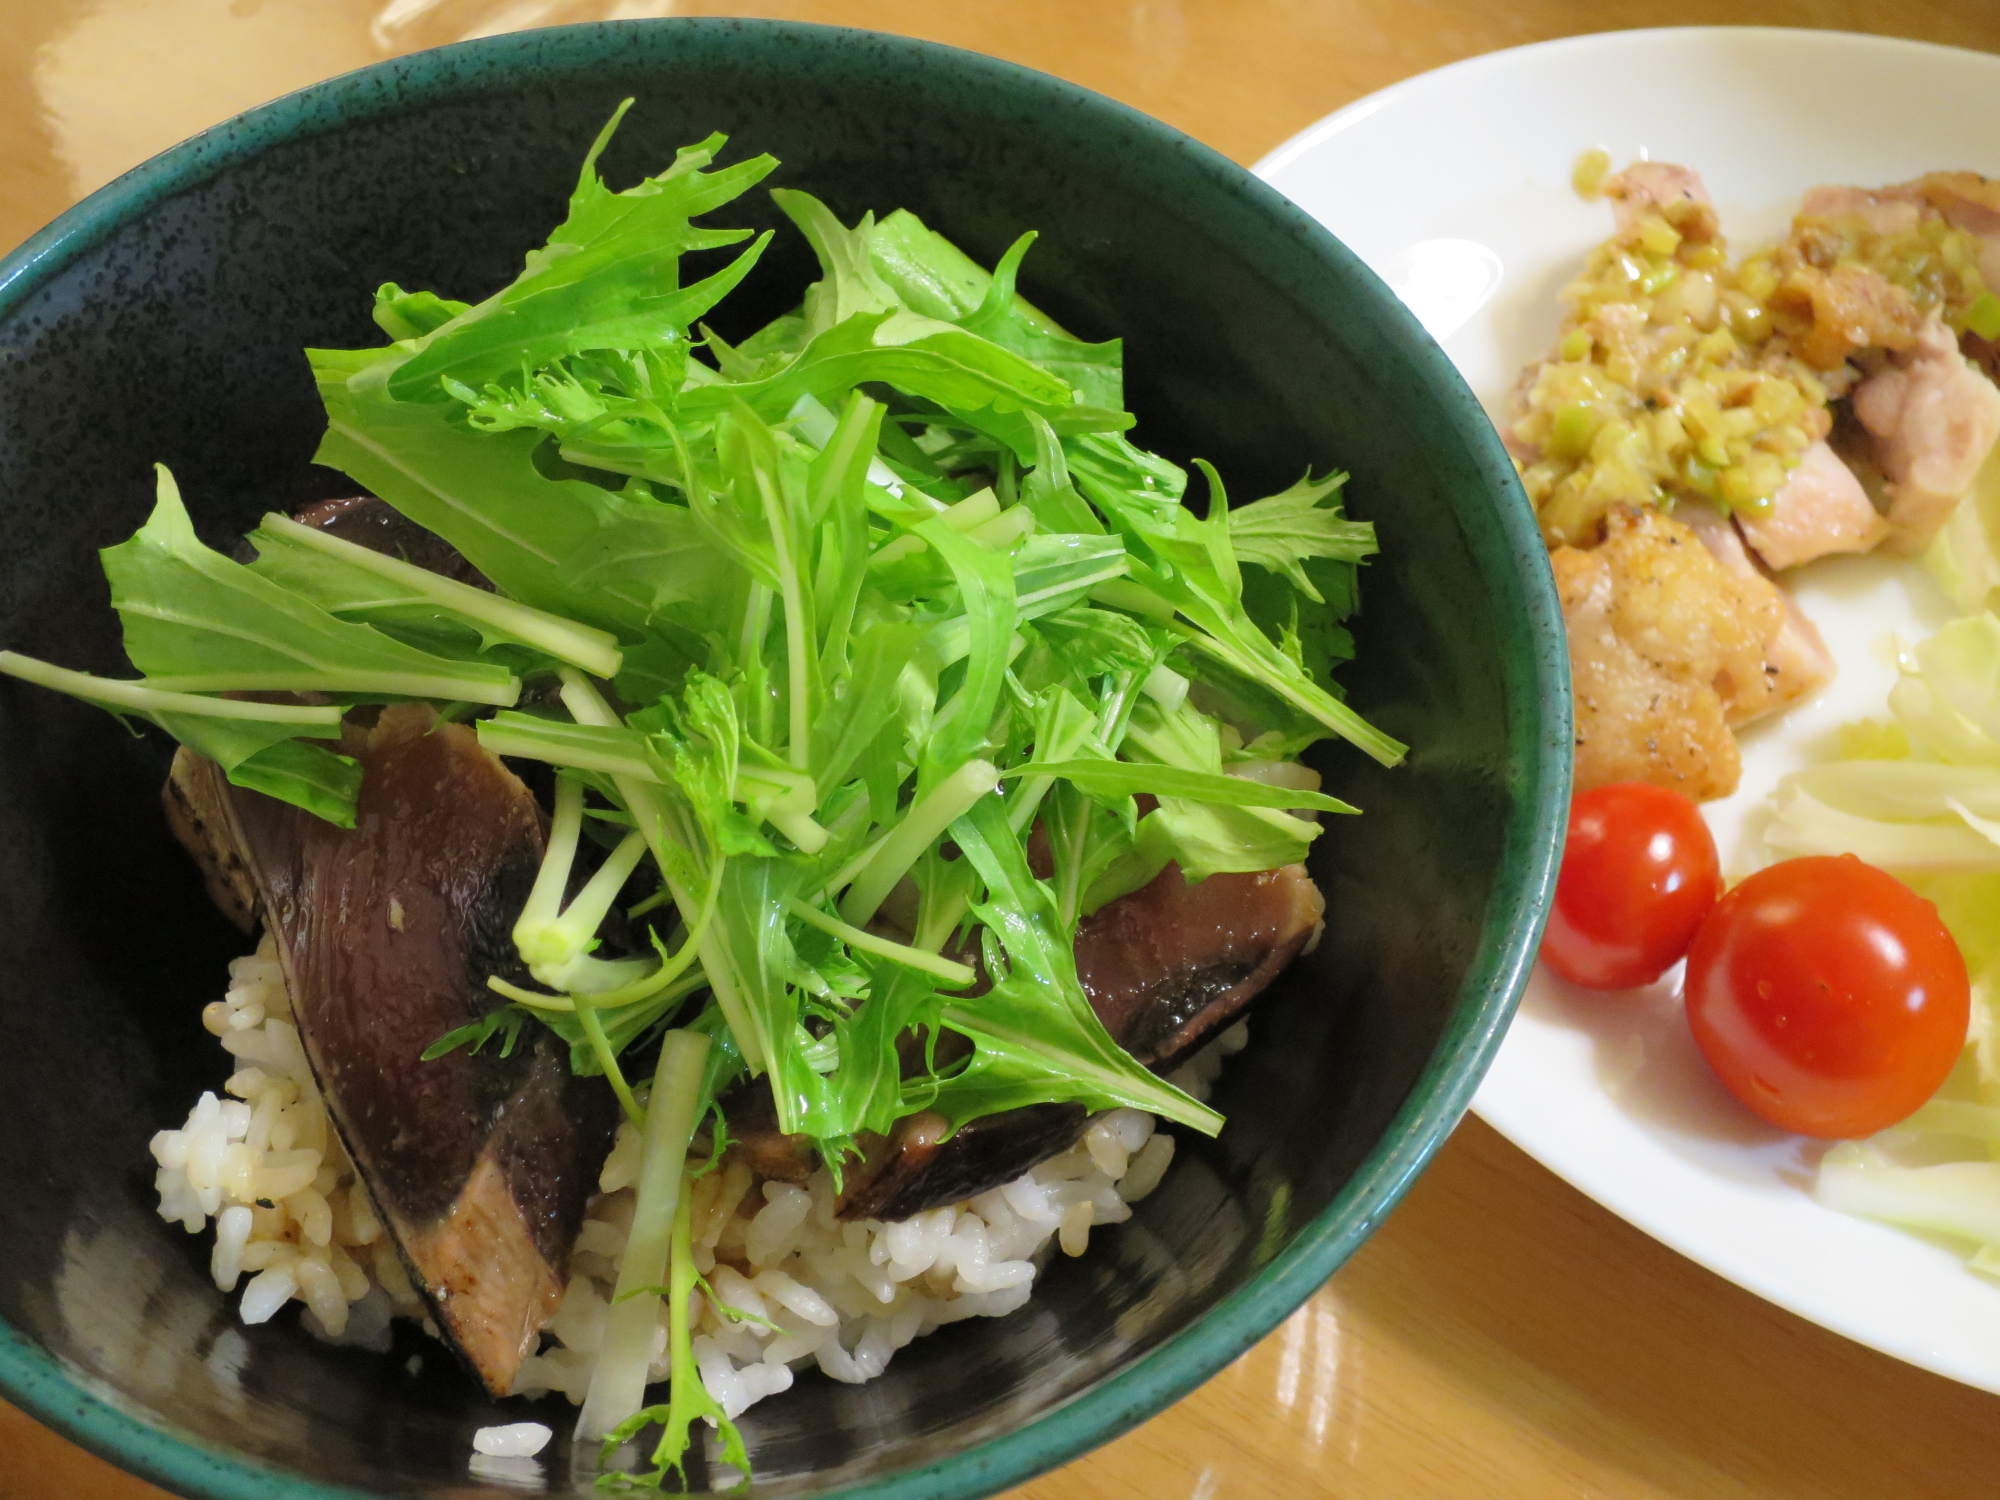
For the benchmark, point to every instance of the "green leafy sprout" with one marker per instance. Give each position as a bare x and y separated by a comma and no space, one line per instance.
830,623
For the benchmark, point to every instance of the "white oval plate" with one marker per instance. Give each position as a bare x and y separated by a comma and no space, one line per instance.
1455,187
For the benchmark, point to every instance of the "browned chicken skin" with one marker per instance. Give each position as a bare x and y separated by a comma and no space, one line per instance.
1843,310
1668,648
1796,661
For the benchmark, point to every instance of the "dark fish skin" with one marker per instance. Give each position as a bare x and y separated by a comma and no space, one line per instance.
914,1171
479,1165
1172,964
380,527
198,813
914,1168
1166,968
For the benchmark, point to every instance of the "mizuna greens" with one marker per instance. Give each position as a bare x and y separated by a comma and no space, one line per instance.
840,611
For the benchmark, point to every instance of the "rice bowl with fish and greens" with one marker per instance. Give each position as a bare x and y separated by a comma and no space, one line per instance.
749,840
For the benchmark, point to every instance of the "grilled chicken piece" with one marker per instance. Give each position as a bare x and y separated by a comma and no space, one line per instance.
1647,185
1931,414
1966,201
1664,643
1796,661
1829,315
478,1164
1821,509
1166,968
1827,310
1972,203
1886,211
1934,418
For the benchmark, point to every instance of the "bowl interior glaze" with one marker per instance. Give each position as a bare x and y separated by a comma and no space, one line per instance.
163,320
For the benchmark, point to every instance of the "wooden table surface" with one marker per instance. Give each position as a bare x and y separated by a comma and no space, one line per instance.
1500,1335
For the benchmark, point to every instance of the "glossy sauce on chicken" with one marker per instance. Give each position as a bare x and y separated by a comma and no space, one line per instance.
1702,428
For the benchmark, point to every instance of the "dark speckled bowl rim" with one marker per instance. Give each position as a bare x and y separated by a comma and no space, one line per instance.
38,1383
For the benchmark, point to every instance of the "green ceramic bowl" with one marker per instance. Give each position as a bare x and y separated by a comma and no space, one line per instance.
163,319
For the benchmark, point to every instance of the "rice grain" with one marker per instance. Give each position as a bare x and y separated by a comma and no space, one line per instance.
788,1282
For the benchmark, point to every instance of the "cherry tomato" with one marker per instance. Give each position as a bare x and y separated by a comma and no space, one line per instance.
1639,873
1828,996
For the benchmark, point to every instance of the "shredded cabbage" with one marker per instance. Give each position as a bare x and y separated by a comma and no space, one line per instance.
1919,795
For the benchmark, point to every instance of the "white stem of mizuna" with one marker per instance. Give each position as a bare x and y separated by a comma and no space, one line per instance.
618,1385
587,706
921,827
580,645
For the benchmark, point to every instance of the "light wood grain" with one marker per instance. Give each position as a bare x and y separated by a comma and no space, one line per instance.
1500,1335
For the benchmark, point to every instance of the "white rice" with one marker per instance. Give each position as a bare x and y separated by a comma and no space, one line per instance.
847,1296
266,1167
515,1440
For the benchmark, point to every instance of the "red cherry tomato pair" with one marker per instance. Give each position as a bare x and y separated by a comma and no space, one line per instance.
1827,995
